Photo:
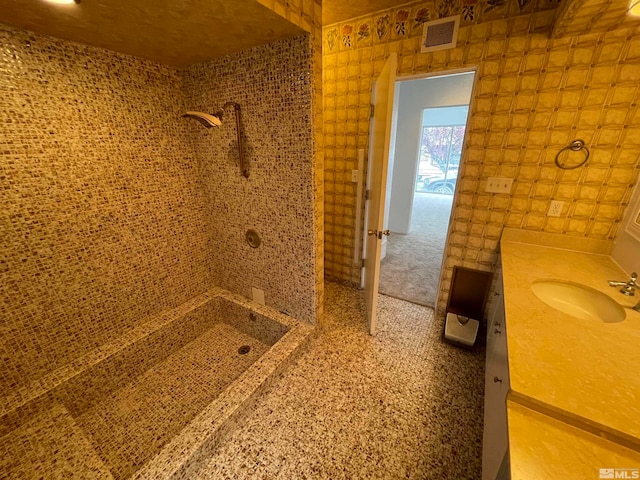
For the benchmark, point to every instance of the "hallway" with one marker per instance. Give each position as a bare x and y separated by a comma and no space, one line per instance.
399,405
411,269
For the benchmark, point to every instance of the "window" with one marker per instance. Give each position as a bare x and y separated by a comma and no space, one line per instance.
440,152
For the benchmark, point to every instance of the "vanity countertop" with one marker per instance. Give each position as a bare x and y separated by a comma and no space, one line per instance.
585,373
543,448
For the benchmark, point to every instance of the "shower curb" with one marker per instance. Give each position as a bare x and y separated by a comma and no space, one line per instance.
193,447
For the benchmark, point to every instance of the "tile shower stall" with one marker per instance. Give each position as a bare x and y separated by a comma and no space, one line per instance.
124,269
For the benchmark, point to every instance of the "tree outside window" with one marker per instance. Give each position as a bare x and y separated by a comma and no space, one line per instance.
440,153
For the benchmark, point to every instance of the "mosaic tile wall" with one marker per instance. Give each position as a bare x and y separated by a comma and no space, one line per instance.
307,14
101,212
406,21
533,95
105,218
273,85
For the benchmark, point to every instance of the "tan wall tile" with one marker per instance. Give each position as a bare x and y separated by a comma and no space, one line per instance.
533,95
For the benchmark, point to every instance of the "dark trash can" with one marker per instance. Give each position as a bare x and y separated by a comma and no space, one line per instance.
465,308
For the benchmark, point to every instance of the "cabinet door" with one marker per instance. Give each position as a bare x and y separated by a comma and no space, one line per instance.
495,440
496,310
498,362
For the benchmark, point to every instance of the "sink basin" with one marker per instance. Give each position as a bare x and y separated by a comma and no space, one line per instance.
578,300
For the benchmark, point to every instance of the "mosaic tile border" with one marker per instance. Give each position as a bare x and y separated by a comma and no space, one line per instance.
406,21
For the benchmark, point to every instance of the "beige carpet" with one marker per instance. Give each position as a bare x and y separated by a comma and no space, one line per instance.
411,269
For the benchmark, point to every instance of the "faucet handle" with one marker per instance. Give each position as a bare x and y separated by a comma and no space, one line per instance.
630,283
628,288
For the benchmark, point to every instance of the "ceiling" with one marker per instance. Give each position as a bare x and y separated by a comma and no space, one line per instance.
182,32
334,11
173,32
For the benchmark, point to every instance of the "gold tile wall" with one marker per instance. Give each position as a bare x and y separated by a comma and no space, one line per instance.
533,95
104,218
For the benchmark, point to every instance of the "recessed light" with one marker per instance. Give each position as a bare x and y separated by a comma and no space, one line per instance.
63,2
634,8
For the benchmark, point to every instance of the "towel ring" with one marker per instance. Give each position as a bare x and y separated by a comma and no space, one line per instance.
574,146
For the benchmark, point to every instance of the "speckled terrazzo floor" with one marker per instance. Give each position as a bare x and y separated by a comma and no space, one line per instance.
400,405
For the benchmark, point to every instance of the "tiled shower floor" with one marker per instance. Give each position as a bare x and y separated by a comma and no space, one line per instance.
400,405
136,421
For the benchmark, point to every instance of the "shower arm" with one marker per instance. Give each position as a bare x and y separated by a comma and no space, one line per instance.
236,109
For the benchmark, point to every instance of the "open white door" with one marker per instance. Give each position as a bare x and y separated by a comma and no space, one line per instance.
377,183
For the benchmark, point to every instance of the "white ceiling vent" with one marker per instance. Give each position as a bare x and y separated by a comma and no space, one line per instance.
440,34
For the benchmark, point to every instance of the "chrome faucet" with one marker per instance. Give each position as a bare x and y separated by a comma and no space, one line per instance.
628,288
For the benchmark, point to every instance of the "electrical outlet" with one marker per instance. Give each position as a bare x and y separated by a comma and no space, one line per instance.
499,185
354,176
555,208
257,295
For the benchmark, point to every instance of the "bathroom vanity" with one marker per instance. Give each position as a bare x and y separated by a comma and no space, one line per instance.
496,386
562,393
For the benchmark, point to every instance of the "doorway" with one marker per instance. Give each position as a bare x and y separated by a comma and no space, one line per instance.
427,135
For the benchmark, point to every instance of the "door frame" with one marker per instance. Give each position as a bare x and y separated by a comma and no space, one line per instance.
422,76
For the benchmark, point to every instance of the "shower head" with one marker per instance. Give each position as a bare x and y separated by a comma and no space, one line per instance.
204,118
215,120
